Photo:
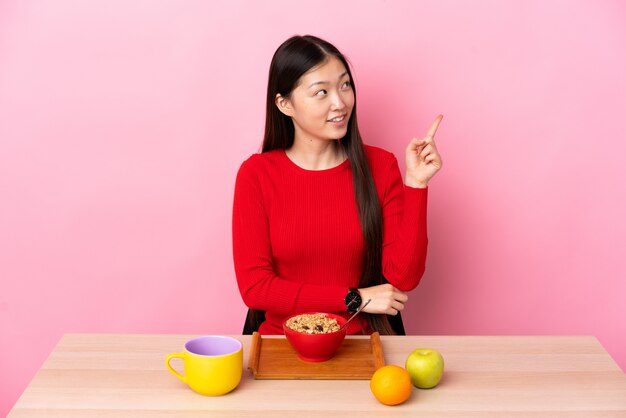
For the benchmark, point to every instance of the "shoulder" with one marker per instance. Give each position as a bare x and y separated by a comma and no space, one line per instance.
379,159
384,168
259,163
378,154
261,172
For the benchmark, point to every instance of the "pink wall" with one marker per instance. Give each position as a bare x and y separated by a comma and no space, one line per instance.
122,126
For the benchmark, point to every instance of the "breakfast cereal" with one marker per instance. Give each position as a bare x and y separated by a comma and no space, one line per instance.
313,324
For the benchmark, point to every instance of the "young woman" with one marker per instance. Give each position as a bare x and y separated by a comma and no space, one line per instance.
322,222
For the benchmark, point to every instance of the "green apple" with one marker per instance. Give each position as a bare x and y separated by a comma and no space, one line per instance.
425,365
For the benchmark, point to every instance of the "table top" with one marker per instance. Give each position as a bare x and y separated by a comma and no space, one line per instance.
97,375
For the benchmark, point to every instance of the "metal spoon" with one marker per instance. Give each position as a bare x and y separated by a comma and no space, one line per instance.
355,314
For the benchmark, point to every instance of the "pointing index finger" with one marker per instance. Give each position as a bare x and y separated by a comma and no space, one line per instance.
435,125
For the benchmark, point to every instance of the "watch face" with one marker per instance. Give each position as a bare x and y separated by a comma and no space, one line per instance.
353,301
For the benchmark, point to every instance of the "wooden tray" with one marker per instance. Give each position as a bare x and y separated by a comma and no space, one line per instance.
356,359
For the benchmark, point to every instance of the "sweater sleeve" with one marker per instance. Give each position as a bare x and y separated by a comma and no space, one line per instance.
260,287
405,238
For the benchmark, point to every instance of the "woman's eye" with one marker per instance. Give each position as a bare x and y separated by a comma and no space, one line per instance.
347,84
320,93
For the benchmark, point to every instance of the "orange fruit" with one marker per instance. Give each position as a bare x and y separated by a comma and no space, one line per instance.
391,385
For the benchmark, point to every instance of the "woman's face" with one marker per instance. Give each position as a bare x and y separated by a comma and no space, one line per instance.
321,104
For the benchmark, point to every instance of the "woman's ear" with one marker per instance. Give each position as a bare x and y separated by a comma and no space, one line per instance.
284,105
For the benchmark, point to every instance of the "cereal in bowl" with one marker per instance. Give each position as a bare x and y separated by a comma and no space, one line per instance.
313,324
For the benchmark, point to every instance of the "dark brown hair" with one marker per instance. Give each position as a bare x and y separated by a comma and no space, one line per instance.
292,59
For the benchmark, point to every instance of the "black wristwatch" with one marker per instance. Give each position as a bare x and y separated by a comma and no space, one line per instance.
353,300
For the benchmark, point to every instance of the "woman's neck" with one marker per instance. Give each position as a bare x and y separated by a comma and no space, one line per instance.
316,154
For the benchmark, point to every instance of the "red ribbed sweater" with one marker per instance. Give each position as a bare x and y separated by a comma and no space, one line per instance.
297,240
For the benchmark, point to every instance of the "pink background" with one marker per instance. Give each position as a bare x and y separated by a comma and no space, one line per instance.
123,124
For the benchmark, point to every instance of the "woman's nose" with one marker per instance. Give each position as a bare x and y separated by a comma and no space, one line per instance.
337,101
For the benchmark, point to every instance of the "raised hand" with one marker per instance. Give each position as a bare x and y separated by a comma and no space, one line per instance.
422,158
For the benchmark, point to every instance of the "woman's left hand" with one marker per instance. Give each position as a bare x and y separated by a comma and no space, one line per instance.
422,158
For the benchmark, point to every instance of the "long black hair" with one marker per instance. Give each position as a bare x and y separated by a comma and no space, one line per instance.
292,59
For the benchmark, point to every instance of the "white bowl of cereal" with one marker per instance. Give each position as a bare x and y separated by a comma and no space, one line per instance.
316,336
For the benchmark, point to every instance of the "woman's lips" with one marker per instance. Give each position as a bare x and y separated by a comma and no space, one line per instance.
338,120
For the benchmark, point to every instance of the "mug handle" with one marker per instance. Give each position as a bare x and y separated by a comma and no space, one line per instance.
171,356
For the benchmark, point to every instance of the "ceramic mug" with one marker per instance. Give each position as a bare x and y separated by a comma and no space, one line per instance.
213,364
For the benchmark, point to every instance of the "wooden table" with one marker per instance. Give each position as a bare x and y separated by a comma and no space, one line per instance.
125,376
